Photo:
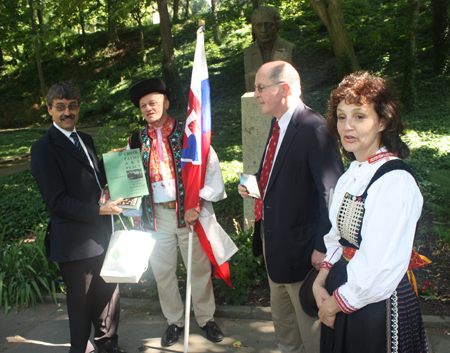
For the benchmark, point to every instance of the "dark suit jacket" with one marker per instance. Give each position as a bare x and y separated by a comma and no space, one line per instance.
70,190
307,166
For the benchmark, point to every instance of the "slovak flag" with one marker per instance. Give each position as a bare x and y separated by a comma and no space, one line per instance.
196,146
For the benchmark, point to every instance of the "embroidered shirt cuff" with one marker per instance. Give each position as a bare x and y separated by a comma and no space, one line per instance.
342,302
326,265
331,259
199,206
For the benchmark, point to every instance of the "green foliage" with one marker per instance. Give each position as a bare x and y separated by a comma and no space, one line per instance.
104,78
441,178
18,142
442,231
246,270
26,273
21,205
111,137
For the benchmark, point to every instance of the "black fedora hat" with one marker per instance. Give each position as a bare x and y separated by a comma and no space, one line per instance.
307,299
147,86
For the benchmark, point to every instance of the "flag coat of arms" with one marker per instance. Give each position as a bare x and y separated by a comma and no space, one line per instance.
199,163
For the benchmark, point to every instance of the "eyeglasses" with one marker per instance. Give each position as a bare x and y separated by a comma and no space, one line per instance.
261,88
62,108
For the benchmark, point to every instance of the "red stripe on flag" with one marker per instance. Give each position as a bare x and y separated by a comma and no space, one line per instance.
220,272
194,104
194,175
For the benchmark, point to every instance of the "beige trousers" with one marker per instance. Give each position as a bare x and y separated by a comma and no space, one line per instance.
295,331
164,264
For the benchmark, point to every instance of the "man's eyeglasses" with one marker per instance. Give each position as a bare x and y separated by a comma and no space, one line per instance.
261,88
62,108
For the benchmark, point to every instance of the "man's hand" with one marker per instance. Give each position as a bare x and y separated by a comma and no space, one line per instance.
191,217
118,149
317,258
111,208
242,190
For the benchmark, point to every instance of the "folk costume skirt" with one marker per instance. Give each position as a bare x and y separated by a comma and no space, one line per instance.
392,325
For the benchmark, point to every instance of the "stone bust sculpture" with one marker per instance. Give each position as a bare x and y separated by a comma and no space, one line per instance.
266,21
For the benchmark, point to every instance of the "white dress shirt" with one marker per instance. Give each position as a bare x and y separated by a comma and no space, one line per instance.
67,134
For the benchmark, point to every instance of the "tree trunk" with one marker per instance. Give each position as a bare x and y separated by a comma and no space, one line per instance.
112,30
255,4
38,53
216,22
333,17
40,16
2,60
83,31
187,9
15,29
409,93
136,13
441,36
170,71
176,5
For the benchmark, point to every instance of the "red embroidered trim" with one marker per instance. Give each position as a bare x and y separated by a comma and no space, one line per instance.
342,302
161,170
349,252
380,156
326,265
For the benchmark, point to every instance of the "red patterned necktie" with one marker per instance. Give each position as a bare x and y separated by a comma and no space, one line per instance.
267,167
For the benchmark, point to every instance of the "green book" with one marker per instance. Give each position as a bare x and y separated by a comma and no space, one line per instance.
125,174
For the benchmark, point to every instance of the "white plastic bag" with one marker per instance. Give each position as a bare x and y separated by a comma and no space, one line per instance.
127,256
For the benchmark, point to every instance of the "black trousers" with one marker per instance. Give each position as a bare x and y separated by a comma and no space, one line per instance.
90,301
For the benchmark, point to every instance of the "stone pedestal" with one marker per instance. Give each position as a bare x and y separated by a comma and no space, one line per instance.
255,130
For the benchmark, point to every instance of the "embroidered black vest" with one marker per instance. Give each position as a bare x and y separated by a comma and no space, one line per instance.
351,212
141,140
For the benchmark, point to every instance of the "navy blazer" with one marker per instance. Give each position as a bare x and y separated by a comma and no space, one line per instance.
70,190
307,166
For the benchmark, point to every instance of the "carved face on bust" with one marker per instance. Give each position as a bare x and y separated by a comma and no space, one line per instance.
265,29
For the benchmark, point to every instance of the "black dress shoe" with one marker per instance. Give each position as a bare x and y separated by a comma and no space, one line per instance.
171,335
213,332
114,349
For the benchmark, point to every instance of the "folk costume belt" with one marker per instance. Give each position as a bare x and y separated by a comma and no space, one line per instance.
348,253
169,204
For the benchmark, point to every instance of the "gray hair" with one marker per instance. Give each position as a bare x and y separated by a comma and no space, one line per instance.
267,11
62,90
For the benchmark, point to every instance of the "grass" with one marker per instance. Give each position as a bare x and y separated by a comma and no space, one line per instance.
15,143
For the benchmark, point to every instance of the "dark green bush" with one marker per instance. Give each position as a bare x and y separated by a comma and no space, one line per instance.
21,205
246,270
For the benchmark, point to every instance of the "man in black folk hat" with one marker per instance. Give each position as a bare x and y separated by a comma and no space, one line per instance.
163,213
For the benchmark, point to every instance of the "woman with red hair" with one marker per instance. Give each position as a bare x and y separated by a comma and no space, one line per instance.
366,303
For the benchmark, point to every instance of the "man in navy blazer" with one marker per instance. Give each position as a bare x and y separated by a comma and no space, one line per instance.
294,220
65,166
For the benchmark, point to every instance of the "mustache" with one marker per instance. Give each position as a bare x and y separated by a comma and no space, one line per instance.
64,117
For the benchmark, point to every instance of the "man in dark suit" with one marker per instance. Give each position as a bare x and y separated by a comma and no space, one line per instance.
300,166
65,166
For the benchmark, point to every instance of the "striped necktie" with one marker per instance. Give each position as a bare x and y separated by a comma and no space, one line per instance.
265,172
78,144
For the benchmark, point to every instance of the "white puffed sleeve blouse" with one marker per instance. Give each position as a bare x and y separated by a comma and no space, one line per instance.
392,209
